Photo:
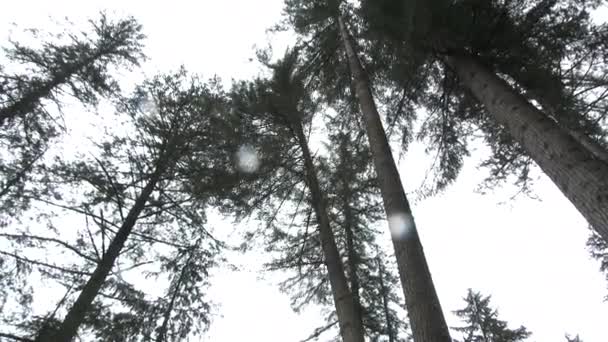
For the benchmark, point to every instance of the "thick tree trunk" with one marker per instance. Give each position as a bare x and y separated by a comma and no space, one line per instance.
349,319
426,318
577,172
549,94
69,328
592,146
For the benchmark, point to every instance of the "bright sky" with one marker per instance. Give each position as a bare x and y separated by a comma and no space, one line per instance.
529,255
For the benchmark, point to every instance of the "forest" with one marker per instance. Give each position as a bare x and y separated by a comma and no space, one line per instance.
116,189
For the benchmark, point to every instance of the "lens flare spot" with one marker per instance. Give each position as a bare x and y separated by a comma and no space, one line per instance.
247,159
400,225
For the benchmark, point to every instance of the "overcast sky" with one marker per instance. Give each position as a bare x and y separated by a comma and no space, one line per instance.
529,255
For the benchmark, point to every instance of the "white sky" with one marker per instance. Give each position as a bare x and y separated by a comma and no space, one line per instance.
529,255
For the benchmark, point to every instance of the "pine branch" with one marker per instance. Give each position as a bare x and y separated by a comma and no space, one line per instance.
16,338
318,332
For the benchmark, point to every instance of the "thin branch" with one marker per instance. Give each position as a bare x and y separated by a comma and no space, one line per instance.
49,239
16,338
43,264
119,201
86,219
319,331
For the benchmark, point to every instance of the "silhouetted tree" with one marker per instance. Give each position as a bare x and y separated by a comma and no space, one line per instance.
482,323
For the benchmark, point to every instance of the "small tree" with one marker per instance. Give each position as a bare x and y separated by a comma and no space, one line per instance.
482,323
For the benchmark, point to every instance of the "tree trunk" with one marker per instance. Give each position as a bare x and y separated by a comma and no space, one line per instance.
577,172
162,332
352,254
426,318
392,337
549,94
69,328
350,322
592,146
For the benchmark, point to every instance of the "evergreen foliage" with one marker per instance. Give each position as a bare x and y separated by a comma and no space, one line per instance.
510,38
37,76
482,323
132,203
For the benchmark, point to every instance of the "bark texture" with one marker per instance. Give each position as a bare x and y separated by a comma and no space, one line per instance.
426,318
580,175
349,318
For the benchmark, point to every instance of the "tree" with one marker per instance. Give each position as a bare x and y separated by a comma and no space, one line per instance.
442,34
598,248
79,64
284,102
323,26
356,209
482,323
349,193
82,66
156,180
573,339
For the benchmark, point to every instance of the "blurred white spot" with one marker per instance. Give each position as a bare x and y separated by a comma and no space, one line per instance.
149,106
247,159
400,225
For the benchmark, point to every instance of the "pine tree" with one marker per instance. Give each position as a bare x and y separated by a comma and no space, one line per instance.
284,102
324,25
573,339
81,66
143,195
356,208
78,64
482,323
443,33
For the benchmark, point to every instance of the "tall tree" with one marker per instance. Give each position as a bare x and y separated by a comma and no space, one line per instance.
353,206
34,78
441,31
285,102
324,26
482,323
356,210
179,147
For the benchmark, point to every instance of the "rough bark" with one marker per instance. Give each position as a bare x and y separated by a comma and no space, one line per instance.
69,328
550,95
349,319
577,172
426,318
